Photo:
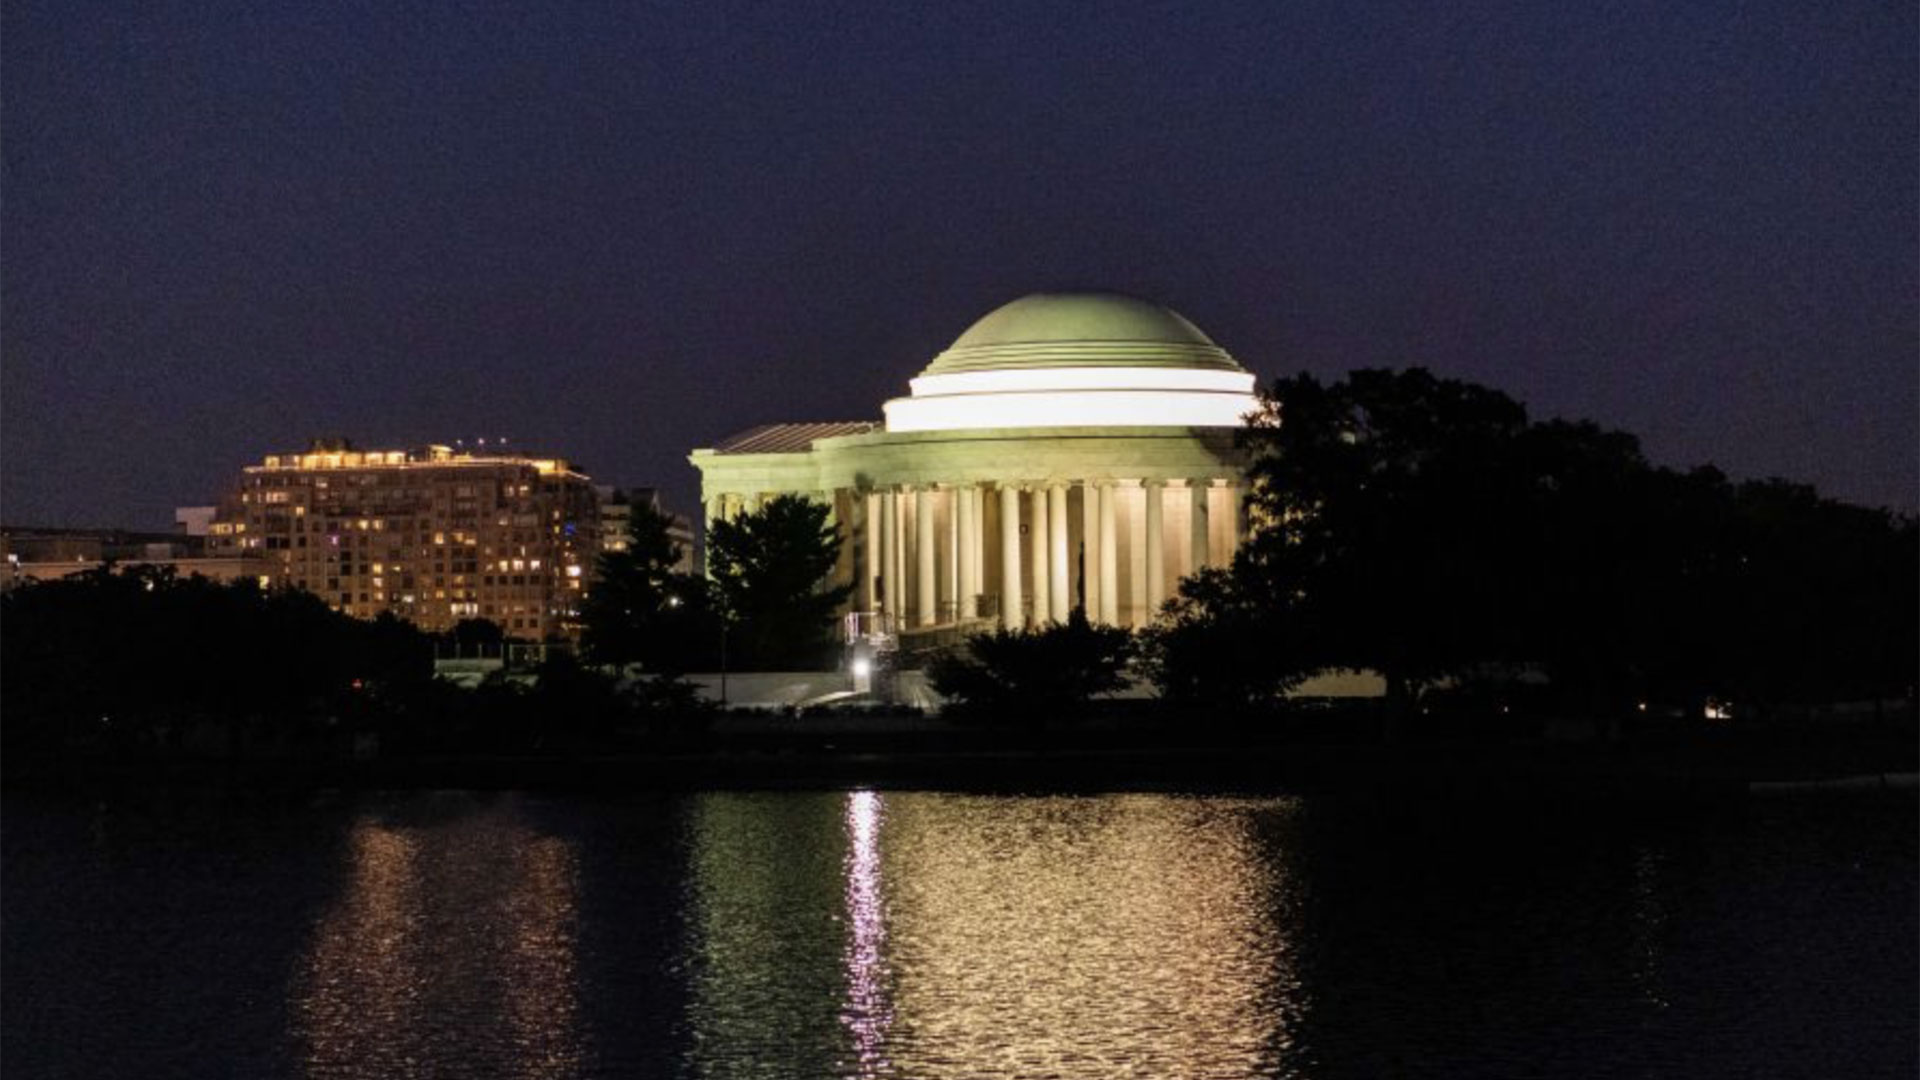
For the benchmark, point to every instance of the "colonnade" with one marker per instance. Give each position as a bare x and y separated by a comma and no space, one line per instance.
937,554
928,548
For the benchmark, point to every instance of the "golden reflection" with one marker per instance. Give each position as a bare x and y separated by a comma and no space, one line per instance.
361,974
867,1013
972,936
765,915
1120,936
453,942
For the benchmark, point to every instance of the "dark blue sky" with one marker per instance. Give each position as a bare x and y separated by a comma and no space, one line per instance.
619,232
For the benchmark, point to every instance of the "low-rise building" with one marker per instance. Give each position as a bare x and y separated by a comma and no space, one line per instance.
47,554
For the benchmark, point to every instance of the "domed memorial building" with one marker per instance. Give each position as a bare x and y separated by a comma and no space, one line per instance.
1068,449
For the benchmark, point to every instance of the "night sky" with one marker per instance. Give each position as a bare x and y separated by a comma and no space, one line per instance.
620,232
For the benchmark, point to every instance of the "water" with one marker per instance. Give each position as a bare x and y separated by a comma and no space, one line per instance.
936,935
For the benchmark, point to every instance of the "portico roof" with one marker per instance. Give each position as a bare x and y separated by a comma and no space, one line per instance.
790,438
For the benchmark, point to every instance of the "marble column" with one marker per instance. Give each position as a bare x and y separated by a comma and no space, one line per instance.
1109,558
1197,554
716,509
889,553
870,527
976,525
1236,521
1041,548
969,551
1089,567
1010,606
1062,601
1156,548
902,547
925,552
950,557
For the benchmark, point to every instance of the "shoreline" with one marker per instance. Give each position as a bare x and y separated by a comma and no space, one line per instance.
1710,765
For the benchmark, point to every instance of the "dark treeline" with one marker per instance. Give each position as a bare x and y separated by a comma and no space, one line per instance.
141,658
142,662
1428,530
139,662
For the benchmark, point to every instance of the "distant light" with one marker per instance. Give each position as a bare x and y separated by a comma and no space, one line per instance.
862,667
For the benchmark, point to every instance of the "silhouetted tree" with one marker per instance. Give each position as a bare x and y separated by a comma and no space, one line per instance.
1221,645
1052,671
639,610
771,569
127,658
1421,527
477,633
1385,509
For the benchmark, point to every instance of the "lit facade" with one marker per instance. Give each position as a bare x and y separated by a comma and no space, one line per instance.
1069,449
433,536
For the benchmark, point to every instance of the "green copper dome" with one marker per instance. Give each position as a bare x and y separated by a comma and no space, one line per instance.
1091,329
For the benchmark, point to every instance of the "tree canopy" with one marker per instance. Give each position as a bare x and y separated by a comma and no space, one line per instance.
1014,674
110,655
771,570
640,610
1425,528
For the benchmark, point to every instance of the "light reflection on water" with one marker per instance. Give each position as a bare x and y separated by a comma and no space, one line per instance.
1097,937
1128,936
470,917
910,935
868,1012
